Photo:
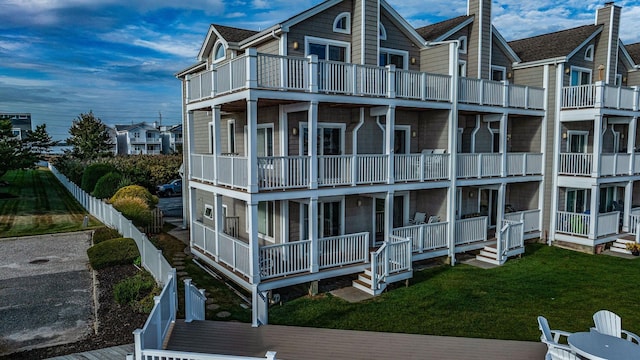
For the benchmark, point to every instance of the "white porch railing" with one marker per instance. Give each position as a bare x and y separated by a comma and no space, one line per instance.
608,223
530,219
526,97
481,91
422,86
235,172
350,170
343,250
471,230
231,76
510,237
285,259
394,256
479,165
194,302
202,167
425,237
599,95
524,164
421,167
283,72
354,79
614,164
204,237
572,223
283,172
618,97
234,253
578,96
634,222
576,164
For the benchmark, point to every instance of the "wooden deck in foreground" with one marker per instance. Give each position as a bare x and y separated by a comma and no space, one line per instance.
298,343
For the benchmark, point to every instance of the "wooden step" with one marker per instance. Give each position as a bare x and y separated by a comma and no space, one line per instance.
491,255
489,260
362,286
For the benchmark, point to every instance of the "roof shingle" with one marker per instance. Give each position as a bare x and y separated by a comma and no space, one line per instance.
433,31
552,45
232,34
634,51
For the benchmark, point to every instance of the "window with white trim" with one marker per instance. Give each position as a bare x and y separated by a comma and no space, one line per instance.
498,73
327,49
382,32
462,68
588,53
266,220
219,53
618,79
580,76
463,44
342,23
231,136
208,211
265,140
398,58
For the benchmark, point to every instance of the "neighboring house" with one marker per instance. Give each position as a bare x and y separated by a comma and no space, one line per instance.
343,129
21,123
113,138
171,139
140,138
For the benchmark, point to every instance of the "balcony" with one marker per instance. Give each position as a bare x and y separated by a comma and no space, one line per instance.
581,164
578,224
599,95
308,74
490,165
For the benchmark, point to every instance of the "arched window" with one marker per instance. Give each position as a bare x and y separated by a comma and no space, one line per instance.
588,53
342,23
382,32
219,53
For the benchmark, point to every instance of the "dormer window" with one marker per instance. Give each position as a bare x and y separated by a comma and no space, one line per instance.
382,32
588,53
463,44
342,23
219,53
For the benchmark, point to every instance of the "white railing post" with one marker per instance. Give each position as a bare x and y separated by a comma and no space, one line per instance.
354,78
187,301
252,68
423,86
313,73
599,95
214,82
354,170
138,341
479,165
391,81
505,94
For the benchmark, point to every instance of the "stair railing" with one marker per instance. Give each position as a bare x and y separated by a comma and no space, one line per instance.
392,257
505,234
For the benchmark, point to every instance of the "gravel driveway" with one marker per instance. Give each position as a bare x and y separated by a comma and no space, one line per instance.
46,293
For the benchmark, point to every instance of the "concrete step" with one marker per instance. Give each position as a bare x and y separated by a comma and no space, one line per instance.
487,259
488,254
620,250
367,287
624,241
365,278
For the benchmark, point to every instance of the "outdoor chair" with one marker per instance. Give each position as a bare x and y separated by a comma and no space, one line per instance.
556,353
433,219
609,323
418,218
552,338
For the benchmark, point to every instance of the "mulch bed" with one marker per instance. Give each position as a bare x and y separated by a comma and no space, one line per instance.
116,322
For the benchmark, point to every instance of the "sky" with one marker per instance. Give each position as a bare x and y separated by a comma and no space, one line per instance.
117,58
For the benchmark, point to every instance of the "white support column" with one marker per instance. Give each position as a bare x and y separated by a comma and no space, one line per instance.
597,145
254,243
313,73
388,214
219,223
628,198
312,141
216,146
252,145
389,142
192,214
503,144
502,192
593,212
313,234
631,143
190,139
252,68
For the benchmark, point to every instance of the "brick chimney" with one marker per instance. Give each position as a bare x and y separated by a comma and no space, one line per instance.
479,42
607,47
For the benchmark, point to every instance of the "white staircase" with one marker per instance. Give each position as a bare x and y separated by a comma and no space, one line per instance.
390,263
510,242
489,254
620,244
363,283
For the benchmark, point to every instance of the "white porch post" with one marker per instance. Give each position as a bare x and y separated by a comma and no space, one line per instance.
389,143
219,222
388,215
190,140
254,242
313,234
215,146
312,141
597,145
593,216
501,200
628,198
631,144
192,214
503,144
252,145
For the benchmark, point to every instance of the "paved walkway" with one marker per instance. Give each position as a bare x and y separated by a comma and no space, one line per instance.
111,353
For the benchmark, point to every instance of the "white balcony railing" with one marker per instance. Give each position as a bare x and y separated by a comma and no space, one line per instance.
530,219
236,169
608,223
479,165
283,172
581,164
572,223
575,164
524,164
343,250
425,237
599,95
421,167
614,164
234,253
471,230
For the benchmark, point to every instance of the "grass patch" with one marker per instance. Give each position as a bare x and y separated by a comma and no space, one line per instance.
137,291
35,203
104,233
565,286
112,252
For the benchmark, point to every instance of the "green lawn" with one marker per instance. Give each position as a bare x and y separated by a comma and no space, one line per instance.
35,203
566,287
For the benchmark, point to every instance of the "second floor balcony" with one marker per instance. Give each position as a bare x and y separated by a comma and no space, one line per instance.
600,95
308,74
582,164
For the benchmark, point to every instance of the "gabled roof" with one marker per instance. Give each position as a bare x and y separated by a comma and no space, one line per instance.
634,52
435,32
141,125
233,34
553,45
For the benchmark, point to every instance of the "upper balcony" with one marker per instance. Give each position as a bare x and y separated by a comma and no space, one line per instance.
616,164
600,95
308,74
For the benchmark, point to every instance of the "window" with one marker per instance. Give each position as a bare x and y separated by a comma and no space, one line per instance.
588,53
330,215
327,49
136,135
618,79
342,23
266,219
463,44
580,76
382,32
149,135
577,141
265,140
231,137
394,57
498,73
219,53
462,68
15,133
208,211
577,200
330,139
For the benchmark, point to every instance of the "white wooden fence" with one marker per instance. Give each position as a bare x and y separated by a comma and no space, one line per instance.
471,230
530,219
194,302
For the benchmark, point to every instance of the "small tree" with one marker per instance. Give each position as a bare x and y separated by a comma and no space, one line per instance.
39,141
14,154
89,137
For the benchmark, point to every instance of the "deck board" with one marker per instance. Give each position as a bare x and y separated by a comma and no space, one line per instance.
110,353
292,342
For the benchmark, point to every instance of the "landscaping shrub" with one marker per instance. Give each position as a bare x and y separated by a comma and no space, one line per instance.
92,174
105,233
70,167
148,170
107,185
135,191
113,252
133,289
134,209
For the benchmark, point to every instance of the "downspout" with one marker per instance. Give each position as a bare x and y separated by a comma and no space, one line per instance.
473,134
354,146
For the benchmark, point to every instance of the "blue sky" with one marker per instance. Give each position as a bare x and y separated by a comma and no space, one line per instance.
60,58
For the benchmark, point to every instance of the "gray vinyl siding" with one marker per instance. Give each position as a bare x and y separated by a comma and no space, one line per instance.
433,130
435,60
432,202
603,16
549,154
396,39
483,139
320,26
522,196
201,132
371,32
357,218
356,31
270,47
371,137
579,60
479,35
633,78
529,77
526,134
499,57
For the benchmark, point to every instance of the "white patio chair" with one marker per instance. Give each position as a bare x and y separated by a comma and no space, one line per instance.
552,338
433,219
556,353
609,323
439,151
418,218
